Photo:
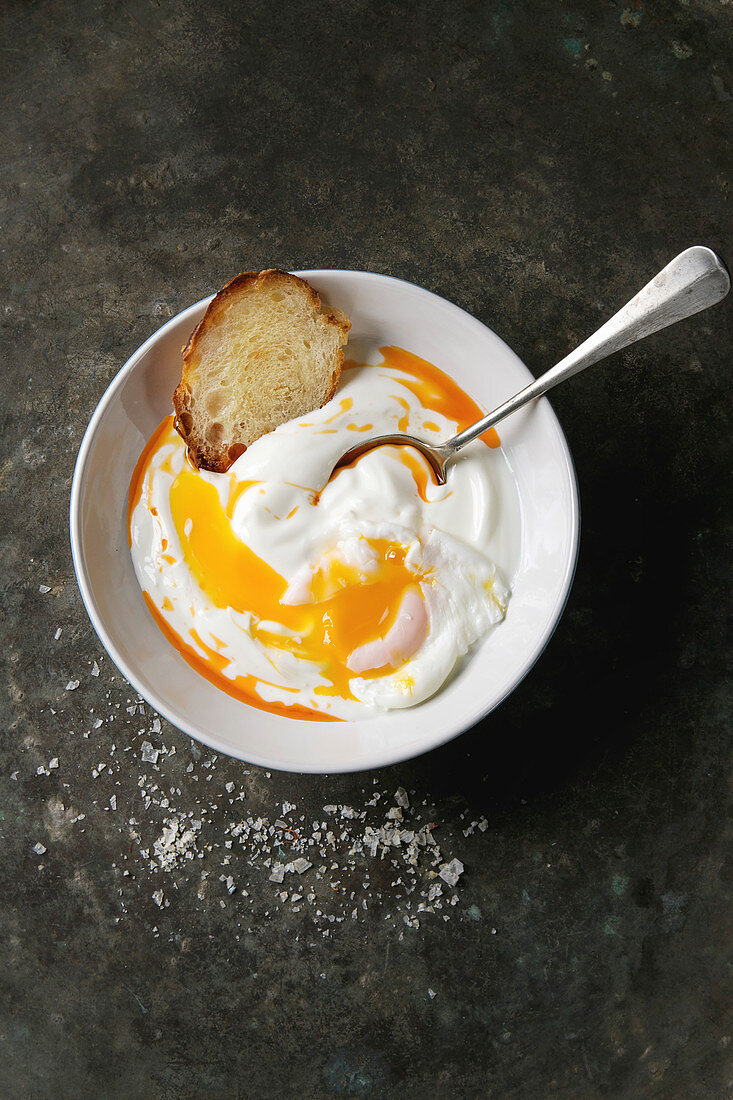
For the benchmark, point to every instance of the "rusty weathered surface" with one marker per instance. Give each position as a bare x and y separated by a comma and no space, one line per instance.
534,163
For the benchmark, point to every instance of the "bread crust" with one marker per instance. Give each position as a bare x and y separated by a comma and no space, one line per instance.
220,457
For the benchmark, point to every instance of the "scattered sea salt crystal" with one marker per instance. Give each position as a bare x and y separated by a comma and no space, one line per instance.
176,843
398,843
432,993
95,669
57,635
149,755
451,872
44,589
39,849
72,685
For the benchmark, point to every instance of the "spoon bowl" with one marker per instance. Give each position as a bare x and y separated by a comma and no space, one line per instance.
436,457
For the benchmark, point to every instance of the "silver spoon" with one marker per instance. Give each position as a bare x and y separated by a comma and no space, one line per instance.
694,280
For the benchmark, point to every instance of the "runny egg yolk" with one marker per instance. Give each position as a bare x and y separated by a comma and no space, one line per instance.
349,606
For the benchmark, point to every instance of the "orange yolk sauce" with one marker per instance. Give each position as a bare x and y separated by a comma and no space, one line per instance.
436,392
349,607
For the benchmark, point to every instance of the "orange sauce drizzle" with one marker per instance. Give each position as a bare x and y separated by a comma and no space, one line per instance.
141,467
236,490
419,468
242,688
435,390
404,421
345,404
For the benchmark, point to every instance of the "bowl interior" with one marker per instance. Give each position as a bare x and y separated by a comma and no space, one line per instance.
383,311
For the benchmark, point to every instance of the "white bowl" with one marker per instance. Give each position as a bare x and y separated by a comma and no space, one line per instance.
383,311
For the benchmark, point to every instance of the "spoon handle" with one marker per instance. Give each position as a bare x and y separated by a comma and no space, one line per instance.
694,280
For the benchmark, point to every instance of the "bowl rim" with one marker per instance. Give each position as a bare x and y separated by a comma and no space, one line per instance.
383,757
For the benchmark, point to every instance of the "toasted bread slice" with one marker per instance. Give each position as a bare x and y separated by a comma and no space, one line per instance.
264,352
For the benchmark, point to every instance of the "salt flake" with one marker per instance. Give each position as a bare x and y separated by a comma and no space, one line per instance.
149,754
451,872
